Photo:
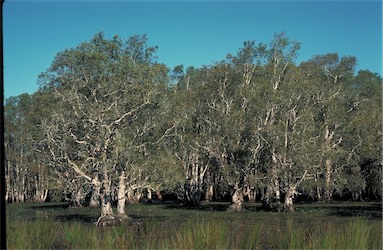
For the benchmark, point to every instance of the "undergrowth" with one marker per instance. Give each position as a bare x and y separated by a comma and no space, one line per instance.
159,227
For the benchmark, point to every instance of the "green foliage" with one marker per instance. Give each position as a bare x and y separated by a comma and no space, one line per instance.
163,227
255,120
40,234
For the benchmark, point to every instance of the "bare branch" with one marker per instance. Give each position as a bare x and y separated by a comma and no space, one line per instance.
356,104
77,169
131,112
75,138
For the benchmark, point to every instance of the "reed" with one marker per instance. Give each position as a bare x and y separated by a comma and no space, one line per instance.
39,234
187,229
201,235
19,236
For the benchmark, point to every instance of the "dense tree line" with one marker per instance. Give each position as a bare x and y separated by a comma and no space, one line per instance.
110,124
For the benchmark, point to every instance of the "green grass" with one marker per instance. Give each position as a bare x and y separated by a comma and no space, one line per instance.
39,234
170,227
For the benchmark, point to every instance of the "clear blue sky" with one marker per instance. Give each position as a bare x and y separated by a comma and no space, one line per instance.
192,33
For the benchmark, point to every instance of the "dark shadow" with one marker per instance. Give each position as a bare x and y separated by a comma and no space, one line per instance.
203,207
76,217
343,209
214,206
370,211
148,218
50,206
373,211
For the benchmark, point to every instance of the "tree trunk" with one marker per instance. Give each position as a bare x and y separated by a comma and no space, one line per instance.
317,188
209,185
250,193
121,197
8,188
95,199
39,190
131,196
275,185
189,188
45,195
78,200
16,184
237,201
188,83
290,192
159,195
328,193
149,195
40,185
106,206
22,189
209,193
106,218
277,192
195,180
266,198
193,193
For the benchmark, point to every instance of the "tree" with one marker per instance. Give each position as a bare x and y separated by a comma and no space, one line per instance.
365,133
27,178
106,90
332,103
275,110
17,147
110,125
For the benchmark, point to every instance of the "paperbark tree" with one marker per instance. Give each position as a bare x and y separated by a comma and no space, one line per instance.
103,87
331,105
27,176
264,101
364,173
112,125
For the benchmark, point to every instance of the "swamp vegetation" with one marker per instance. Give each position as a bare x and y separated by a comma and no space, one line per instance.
254,133
209,226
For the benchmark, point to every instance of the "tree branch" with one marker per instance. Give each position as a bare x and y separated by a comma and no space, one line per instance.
77,169
131,112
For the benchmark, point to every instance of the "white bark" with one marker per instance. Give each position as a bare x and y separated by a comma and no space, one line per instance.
106,206
79,197
121,195
209,193
22,189
149,196
237,201
8,188
45,195
250,193
328,194
290,192
131,196
96,193
195,173
159,195
41,192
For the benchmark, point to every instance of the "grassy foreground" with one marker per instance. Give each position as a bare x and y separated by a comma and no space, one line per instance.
53,226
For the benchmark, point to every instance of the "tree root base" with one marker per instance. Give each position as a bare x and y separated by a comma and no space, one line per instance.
112,219
236,207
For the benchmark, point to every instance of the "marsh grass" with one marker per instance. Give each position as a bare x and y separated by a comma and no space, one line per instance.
358,233
161,227
202,235
247,237
37,235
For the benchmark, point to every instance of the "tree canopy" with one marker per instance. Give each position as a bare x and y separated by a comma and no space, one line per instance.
110,124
